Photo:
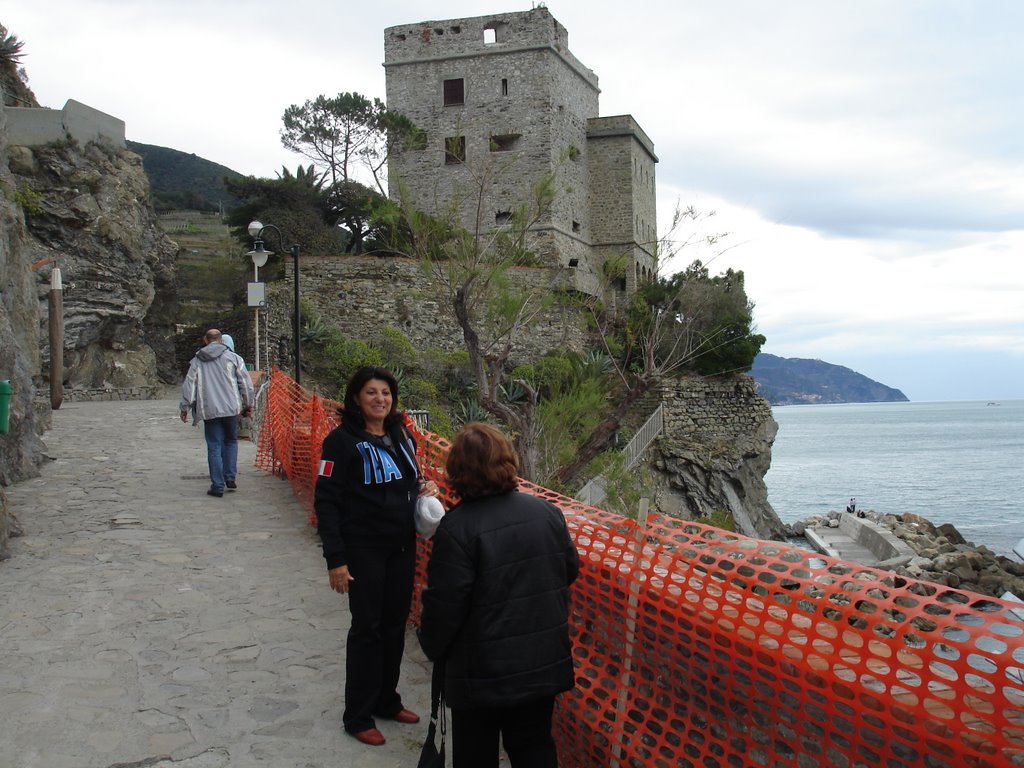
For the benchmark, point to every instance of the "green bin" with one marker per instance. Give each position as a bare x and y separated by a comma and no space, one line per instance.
6,390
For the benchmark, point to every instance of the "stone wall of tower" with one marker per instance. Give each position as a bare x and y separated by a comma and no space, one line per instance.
623,197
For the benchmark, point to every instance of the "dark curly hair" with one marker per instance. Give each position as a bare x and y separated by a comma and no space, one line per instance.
482,462
350,411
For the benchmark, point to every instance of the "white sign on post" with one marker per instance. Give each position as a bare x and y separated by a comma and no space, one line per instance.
257,294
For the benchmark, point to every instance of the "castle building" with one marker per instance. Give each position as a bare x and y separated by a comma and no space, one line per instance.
502,96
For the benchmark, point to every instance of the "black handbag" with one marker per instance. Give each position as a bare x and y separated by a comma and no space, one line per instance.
432,754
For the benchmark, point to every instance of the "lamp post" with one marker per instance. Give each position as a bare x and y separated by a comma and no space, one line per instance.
256,230
257,294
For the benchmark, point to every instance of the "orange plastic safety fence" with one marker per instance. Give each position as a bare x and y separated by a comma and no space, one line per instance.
699,648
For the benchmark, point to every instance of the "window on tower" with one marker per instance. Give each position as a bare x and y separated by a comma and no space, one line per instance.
454,150
454,92
504,142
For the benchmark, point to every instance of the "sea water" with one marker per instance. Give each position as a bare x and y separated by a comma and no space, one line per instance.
951,462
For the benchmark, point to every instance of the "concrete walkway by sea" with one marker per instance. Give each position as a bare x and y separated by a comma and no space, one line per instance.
144,623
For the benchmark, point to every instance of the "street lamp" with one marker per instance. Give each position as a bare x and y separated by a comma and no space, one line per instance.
256,230
257,291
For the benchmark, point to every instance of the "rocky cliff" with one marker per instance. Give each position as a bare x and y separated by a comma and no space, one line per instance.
90,214
21,449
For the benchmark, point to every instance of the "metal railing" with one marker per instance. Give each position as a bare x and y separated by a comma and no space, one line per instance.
422,418
593,493
646,435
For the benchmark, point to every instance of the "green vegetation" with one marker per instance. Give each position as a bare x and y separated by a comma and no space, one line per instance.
720,518
342,136
27,199
11,49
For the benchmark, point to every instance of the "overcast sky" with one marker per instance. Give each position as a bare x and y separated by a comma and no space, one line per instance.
865,158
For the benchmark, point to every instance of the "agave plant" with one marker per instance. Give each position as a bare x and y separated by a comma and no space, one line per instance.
471,410
315,331
10,49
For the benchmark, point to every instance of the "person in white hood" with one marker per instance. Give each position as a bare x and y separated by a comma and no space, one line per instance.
216,390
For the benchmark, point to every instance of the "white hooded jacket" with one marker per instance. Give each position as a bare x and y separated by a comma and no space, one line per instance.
217,384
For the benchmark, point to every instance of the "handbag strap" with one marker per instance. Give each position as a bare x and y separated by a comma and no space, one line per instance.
437,714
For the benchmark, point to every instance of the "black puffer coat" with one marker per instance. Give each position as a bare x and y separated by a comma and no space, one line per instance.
496,605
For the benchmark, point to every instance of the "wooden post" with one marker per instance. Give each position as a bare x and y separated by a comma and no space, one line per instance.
56,305
633,602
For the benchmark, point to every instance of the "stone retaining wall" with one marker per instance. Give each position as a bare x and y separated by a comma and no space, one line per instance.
144,392
360,295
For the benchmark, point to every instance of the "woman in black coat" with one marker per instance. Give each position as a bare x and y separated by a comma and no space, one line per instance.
496,607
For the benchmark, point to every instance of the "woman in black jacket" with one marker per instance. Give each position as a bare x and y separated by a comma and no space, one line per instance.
496,607
366,493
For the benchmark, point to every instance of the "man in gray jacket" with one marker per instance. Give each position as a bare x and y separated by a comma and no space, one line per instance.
217,389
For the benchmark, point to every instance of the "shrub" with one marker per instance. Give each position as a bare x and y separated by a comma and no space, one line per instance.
396,349
344,357
422,395
315,330
28,199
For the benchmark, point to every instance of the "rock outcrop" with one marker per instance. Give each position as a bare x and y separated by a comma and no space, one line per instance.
715,452
91,216
21,448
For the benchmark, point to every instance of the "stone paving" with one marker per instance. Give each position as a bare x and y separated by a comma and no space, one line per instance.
144,623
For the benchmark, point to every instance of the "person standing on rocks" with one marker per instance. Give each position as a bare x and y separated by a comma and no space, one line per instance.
217,389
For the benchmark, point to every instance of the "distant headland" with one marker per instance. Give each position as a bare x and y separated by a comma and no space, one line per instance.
796,381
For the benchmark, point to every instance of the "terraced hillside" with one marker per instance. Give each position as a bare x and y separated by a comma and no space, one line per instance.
212,277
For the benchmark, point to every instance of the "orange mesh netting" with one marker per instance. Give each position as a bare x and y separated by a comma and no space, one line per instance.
698,647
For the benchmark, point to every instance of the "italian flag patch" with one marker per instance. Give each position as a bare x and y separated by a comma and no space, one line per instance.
326,468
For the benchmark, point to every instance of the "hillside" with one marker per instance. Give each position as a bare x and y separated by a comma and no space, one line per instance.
179,180
792,381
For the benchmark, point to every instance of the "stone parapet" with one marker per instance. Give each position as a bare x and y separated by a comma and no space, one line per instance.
35,126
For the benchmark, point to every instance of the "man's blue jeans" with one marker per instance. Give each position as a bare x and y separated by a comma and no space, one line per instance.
221,449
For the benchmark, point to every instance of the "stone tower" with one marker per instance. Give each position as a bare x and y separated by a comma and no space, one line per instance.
504,91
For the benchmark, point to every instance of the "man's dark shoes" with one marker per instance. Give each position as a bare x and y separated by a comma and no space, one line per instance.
214,492
370,736
231,484
406,716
